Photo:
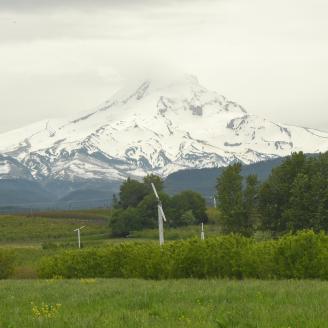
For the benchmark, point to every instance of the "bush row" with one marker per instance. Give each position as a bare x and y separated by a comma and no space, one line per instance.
6,264
300,256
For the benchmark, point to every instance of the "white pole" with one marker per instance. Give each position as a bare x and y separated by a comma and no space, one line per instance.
160,226
202,234
79,237
214,201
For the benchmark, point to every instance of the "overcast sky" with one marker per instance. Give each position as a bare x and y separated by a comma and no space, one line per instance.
59,57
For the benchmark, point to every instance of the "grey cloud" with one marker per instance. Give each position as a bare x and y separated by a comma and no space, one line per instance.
107,23
32,5
271,56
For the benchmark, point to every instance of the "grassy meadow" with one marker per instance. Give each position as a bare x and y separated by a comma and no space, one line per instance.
32,237
51,226
57,227
183,303
26,301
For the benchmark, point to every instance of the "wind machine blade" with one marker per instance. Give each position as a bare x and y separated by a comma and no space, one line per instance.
155,191
162,212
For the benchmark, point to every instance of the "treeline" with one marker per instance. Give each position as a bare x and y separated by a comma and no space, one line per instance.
300,256
135,208
294,197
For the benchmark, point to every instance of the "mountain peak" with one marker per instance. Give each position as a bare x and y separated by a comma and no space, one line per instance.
160,125
155,83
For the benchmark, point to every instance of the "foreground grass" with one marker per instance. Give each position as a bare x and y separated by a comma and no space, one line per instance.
184,303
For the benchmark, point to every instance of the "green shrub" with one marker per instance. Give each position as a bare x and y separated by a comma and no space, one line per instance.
300,256
6,263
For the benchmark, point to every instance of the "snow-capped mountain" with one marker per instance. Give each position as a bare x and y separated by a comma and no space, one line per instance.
152,128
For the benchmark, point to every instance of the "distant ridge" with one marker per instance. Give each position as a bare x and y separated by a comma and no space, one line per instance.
24,194
204,180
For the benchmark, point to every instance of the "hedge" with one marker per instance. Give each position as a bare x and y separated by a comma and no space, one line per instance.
300,256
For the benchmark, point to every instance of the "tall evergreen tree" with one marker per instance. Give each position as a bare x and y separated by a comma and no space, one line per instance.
251,194
308,206
230,197
275,193
295,196
299,213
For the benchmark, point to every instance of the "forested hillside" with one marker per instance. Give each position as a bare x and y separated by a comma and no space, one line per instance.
204,180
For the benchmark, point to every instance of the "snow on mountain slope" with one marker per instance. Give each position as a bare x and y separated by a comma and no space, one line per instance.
153,128
12,169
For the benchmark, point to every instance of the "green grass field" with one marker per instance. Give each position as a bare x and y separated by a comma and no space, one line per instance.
57,227
32,237
23,229
184,303
176,233
139,303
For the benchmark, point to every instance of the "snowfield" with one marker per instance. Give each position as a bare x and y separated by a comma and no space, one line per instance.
153,128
